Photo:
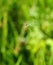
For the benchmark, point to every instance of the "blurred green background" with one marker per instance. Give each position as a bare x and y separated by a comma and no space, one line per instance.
26,32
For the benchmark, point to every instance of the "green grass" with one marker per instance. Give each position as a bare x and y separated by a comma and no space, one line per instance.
26,32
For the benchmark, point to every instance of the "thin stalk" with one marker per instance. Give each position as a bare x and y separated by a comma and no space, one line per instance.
4,30
14,31
19,60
